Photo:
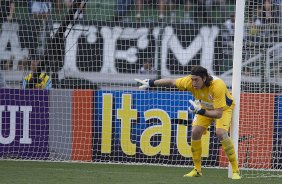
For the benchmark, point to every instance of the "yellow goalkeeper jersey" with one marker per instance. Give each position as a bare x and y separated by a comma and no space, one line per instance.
211,97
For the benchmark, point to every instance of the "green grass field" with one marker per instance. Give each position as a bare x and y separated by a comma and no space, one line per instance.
29,172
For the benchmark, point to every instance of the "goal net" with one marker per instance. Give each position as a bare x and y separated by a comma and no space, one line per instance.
67,89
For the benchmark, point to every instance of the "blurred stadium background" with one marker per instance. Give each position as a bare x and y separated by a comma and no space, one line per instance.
94,111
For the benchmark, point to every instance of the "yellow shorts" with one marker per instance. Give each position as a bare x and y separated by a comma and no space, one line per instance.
224,122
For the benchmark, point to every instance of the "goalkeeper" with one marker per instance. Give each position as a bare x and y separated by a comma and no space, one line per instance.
213,102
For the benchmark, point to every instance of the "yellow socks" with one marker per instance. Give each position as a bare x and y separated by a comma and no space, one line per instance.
227,144
196,148
228,147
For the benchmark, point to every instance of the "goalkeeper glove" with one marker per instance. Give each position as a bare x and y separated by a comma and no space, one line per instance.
146,83
195,108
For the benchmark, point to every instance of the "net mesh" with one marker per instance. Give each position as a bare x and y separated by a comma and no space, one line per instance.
85,54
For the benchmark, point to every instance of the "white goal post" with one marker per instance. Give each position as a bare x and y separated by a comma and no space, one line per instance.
236,78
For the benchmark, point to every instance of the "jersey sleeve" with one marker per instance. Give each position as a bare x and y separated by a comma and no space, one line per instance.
219,100
184,83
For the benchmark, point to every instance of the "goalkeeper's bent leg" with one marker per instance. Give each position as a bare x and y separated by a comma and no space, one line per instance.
196,148
229,150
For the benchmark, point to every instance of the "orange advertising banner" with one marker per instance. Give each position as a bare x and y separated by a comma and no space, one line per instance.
255,131
82,119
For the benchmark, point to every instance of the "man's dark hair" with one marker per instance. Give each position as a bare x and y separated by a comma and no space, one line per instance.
203,73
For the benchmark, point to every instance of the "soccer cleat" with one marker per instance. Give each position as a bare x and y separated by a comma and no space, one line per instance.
236,176
193,173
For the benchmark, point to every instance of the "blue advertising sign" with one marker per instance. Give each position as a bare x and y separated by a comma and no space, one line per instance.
145,126
277,134
278,117
24,126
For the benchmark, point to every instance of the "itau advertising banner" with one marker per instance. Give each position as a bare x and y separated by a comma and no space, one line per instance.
24,126
151,126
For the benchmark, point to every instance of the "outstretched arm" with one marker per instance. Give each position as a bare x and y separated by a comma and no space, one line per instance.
165,83
156,83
